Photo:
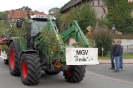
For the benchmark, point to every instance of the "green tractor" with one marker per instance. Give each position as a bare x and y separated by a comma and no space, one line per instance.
43,47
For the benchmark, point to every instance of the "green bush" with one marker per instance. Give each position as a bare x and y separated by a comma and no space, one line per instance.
102,22
103,38
87,17
74,14
63,19
84,15
119,13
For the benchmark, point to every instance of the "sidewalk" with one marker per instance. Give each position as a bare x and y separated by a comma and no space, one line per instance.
125,61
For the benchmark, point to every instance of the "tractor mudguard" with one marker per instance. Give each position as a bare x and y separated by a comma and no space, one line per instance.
16,43
29,52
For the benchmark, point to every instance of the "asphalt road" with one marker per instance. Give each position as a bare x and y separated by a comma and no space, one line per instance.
97,76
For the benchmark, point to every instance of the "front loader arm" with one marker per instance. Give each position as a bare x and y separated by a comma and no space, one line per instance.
51,43
53,27
77,33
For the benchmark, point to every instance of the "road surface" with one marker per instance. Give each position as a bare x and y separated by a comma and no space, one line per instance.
97,76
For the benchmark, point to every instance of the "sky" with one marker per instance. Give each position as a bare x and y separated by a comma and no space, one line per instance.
40,5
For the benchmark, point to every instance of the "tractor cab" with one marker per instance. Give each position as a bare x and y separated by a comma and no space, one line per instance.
38,22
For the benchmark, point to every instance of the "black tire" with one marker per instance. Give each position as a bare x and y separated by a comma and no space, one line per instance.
6,61
30,68
52,72
75,73
13,60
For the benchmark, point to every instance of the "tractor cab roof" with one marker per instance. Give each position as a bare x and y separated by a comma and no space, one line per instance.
42,17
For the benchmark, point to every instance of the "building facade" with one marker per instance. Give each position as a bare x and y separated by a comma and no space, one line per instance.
98,5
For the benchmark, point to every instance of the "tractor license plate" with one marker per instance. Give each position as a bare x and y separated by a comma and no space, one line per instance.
82,56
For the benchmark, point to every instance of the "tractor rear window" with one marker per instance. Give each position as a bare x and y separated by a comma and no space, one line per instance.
37,26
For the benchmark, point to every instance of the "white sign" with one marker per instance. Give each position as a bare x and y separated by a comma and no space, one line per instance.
82,56
3,55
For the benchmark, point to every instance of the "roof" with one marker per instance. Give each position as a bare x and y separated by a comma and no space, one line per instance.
70,4
22,13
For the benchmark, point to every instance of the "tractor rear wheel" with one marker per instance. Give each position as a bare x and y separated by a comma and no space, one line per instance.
5,61
75,73
30,68
13,60
52,72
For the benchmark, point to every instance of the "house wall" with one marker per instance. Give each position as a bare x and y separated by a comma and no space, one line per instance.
98,5
100,8
100,11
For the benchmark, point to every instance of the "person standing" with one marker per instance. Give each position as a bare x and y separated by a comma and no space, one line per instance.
112,56
117,54
121,57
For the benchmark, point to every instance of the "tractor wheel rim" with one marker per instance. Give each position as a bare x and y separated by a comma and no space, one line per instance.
24,69
68,72
12,58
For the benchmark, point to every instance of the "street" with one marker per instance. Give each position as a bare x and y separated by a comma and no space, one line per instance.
97,76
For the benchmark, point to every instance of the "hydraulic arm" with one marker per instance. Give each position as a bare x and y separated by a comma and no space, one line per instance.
76,32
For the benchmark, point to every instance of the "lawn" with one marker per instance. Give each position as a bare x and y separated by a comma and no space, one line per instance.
125,56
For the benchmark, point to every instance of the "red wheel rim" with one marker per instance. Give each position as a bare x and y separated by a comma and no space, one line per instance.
24,69
68,72
12,58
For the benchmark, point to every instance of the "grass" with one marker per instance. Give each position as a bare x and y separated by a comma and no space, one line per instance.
125,56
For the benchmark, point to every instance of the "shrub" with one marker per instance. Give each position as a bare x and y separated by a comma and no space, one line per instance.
63,19
103,38
87,17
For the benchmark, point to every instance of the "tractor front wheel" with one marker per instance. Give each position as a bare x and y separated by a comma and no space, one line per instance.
13,60
30,68
75,73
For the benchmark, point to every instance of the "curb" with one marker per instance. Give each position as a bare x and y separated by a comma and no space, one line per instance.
125,61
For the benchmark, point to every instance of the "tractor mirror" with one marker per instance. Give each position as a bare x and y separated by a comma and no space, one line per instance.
19,23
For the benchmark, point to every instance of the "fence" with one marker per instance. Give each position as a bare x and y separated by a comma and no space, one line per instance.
127,42
123,36
128,48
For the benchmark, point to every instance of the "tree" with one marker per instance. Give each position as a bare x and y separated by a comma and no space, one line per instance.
87,17
25,8
103,39
119,13
74,14
62,18
53,10
84,15
3,15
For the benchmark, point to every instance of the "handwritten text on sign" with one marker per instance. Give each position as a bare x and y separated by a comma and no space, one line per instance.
81,56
